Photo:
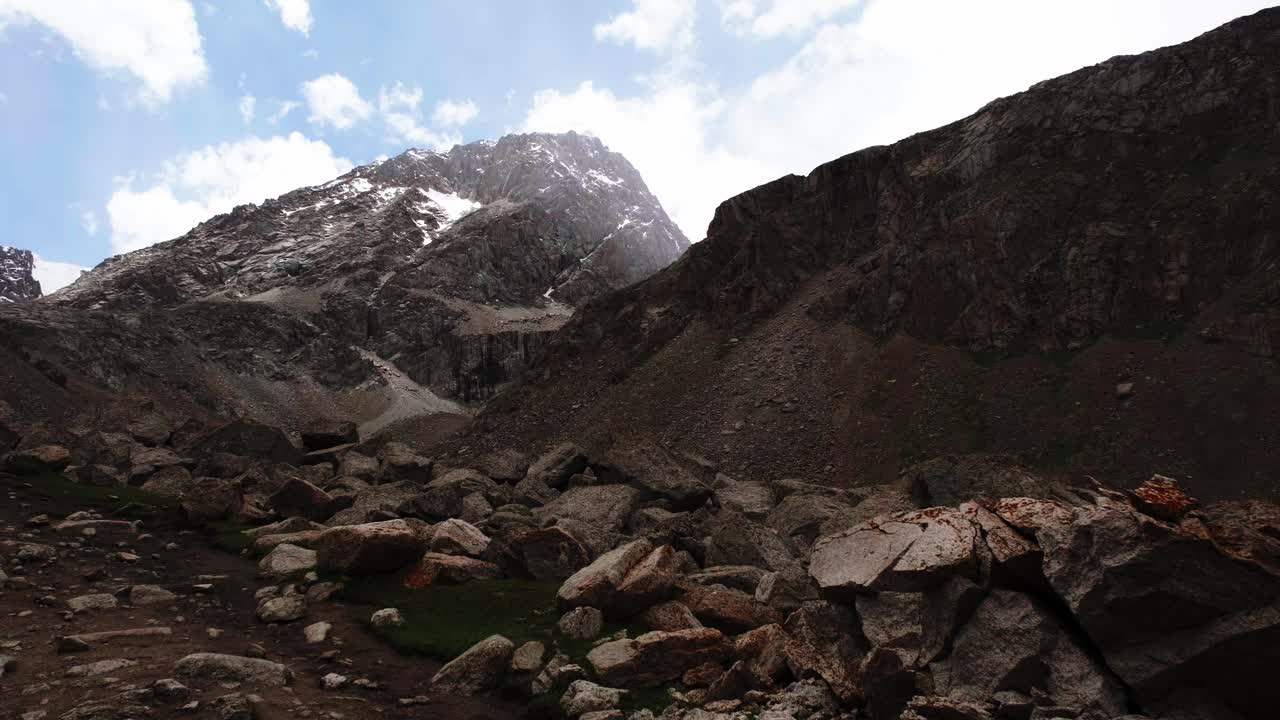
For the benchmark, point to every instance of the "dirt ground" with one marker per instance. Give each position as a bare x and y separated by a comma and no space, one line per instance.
34,612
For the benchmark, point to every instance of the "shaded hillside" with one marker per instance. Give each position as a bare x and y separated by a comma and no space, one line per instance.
1083,274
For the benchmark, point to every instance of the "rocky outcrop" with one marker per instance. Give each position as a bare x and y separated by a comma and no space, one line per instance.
16,281
986,286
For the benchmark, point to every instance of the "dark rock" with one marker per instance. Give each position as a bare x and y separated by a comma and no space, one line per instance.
36,460
299,498
507,466
152,429
825,640
734,540
322,435
551,553
654,470
560,463
478,669
249,438
656,657
370,548
212,499
603,506
730,610
739,577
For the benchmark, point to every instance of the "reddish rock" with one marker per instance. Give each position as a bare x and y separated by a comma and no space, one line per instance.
1161,497
438,567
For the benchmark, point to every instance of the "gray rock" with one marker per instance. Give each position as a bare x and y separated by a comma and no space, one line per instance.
603,506
656,657
824,641
317,632
752,499
99,601
150,595
214,666
101,667
902,552
477,670
560,463
358,466
369,548
597,583
386,618
786,590
736,540
581,623
287,560
528,657
584,696
286,608
458,537
739,577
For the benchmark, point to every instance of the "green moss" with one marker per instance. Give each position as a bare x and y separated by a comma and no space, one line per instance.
67,497
442,621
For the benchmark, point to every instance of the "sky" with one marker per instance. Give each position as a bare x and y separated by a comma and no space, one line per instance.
127,122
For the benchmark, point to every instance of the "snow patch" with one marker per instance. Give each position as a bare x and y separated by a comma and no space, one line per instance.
454,206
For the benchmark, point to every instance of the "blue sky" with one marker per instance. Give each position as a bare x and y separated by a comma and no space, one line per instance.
126,122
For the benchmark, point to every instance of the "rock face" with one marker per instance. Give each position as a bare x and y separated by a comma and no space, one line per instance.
1009,234
409,286
16,282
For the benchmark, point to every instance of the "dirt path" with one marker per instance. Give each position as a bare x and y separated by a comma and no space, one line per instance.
220,619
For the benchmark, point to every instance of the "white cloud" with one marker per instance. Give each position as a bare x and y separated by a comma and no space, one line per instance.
875,79
158,41
782,17
400,109
248,103
53,275
285,107
295,14
335,100
652,25
214,179
89,222
454,113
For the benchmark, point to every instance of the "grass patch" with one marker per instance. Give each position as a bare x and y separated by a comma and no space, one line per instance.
124,501
442,621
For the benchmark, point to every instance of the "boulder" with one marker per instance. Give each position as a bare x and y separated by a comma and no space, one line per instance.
656,657
584,697
550,553
281,609
1161,497
299,498
356,465
287,560
902,552
323,435
1165,605
735,540
174,481
671,615
764,654
823,640
1012,643
369,503
375,547
150,595
647,582
224,465
786,590
752,499
36,460
401,464
730,610
248,438
386,618
475,508
807,516
603,506
477,670
433,567
596,584
581,623
442,498
458,537
651,468
233,668
532,491
528,657
508,466
560,463
151,429
739,577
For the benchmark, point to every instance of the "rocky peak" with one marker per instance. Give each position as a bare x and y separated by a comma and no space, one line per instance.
597,218
16,282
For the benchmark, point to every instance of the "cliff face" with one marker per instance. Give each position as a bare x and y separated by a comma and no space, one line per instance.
1083,274
416,285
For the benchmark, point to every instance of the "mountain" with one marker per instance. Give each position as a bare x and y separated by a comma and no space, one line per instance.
1083,275
16,282
412,286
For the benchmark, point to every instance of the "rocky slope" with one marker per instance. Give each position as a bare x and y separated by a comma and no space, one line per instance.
1083,274
412,286
16,283
972,589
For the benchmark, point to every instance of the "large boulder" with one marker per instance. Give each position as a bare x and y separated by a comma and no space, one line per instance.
477,670
174,481
401,464
752,499
1011,643
37,460
807,516
908,551
151,429
458,537
657,657
1165,605
357,465
735,540
550,553
443,497
438,567
918,627
824,640
584,696
559,464
205,667
651,468
323,435
213,499
375,547
603,506
370,502
299,498
508,466
597,584
249,438
730,610
287,560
